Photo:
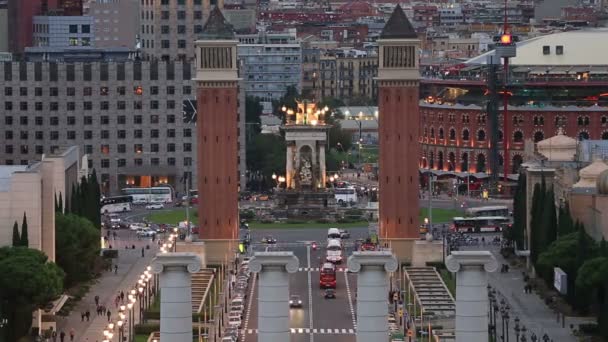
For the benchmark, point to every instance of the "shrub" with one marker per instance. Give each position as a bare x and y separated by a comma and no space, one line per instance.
267,220
247,214
354,213
109,253
323,220
295,221
346,220
589,328
439,265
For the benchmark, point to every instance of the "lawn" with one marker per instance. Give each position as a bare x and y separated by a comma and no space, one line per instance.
176,215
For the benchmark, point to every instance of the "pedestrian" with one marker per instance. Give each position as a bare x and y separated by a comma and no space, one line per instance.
82,314
97,300
142,252
98,310
88,314
114,234
122,296
61,336
54,336
72,334
115,269
109,315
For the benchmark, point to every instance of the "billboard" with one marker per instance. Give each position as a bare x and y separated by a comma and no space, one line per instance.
560,280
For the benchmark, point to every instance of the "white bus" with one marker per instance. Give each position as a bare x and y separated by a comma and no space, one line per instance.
160,194
496,210
480,224
345,195
118,204
334,251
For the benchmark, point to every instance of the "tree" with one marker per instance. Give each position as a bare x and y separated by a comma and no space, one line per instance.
535,221
549,221
288,100
56,204
265,156
253,111
16,237
77,246
75,200
60,204
517,231
83,194
565,223
95,199
28,281
25,242
603,251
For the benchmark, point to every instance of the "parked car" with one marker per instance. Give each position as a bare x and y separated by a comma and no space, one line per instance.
295,301
137,226
145,233
228,338
155,206
234,322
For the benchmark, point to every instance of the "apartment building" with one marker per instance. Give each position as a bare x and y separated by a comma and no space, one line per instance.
134,120
116,22
169,28
348,74
63,31
269,63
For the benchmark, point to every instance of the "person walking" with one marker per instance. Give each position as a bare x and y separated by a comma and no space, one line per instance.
61,336
142,252
115,269
109,315
72,334
82,316
122,296
97,300
88,315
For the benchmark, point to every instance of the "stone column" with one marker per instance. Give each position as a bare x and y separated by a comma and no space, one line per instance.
289,166
322,164
176,294
372,293
471,269
273,293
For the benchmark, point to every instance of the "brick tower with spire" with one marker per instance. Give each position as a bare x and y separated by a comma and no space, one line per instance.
217,137
398,88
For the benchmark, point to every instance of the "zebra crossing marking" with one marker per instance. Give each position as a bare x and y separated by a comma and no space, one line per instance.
317,269
296,331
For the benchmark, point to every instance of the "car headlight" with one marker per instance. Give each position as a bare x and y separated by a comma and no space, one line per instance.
299,302
291,302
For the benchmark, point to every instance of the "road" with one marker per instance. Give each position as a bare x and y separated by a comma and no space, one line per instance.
319,319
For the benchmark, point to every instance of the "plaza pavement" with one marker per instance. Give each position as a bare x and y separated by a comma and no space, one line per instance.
130,266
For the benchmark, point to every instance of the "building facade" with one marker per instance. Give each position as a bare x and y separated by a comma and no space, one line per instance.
132,119
116,22
169,28
270,65
63,31
3,26
347,75
31,190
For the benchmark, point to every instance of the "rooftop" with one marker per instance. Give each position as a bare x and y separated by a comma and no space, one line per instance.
217,27
578,48
6,172
398,26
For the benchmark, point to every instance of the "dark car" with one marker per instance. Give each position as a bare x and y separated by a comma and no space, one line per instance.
330,293
295,301
344,234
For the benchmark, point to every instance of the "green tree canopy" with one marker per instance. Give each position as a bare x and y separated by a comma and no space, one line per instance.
549,221
535,221
253,111
77,246
28,282
266,155
516,233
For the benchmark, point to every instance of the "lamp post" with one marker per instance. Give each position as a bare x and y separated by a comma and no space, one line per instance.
516,328
523,333
130,307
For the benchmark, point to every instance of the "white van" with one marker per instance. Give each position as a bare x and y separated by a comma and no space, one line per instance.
333,233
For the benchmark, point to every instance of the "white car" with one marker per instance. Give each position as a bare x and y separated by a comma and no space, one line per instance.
234,321
155,206
137,226
145,233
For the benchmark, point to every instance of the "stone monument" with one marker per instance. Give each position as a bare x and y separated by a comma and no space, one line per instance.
304,193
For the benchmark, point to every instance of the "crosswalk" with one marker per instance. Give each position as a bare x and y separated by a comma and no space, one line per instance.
317,269
310,331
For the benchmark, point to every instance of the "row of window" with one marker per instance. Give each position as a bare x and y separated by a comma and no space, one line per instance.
88,120
518,120
105,163
88,105
87,71
105,149
88,91
88,135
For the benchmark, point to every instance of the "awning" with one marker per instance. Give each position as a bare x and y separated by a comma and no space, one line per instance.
599,71
538,71
579,69
521,69
559,70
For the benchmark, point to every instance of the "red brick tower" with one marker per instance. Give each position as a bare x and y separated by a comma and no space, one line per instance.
217,164
398,79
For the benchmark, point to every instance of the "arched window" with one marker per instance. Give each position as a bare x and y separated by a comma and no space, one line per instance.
465,134
500,160
481,135
432,133
499,135
604,120
439,160
431,160
441,133
451,161
481,163
425,132
583,135
518,136
424,162
605,135
452,134
538,136
464,162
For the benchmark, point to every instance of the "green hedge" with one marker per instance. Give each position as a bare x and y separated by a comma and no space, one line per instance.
109,253
247,214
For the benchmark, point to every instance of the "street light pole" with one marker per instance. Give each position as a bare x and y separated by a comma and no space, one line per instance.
430,202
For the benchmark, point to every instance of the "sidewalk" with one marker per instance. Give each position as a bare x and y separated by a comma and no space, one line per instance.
130,266
537,317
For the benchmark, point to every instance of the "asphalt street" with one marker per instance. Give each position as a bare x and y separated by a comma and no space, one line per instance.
319,319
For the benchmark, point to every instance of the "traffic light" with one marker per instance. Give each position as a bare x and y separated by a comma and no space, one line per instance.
506,39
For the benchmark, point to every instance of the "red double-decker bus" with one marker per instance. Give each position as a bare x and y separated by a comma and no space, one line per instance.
327,276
